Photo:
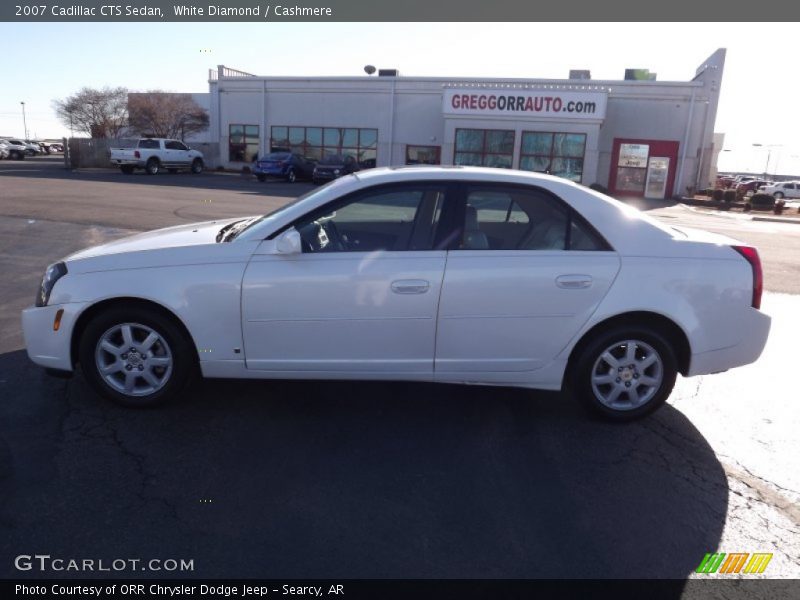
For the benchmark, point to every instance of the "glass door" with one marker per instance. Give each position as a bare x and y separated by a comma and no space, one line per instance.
657,171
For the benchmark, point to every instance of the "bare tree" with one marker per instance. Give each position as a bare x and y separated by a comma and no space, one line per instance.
166,114
97,113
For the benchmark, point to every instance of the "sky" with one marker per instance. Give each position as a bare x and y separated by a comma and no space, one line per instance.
758,104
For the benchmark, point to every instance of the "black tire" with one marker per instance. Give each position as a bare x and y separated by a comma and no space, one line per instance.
153,166
580,383
184,361
291,176
261,177
197,166
127,169
16,155
778,195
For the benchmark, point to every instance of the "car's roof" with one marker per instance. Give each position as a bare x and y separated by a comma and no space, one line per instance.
417,172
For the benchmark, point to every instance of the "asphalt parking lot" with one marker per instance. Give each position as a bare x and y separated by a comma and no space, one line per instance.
373,480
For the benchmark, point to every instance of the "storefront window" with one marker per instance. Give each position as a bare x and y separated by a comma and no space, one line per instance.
242,142
315,143
484,147
559,154
423,155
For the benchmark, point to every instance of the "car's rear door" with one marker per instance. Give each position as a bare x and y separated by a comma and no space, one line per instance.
361,298
527,274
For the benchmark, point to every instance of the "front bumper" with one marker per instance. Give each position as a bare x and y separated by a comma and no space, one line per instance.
48,348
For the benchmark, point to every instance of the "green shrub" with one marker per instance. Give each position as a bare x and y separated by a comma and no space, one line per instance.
729,196
762,201
717,195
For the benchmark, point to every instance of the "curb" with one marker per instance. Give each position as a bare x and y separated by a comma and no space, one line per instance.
741,217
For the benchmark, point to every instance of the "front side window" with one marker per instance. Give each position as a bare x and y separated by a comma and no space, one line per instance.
388,219
243,143
484,147
516,218
559,154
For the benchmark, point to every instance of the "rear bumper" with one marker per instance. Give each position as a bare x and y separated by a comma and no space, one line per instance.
754,329
121,162
269,172
48,348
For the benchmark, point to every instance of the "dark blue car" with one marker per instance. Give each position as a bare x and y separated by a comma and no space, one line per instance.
285,165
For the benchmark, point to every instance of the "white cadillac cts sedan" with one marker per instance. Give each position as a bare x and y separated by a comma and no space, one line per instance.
461,275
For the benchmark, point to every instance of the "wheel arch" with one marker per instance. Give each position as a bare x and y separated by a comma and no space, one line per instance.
664,325
125,302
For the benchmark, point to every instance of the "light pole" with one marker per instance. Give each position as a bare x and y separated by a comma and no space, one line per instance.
24,122
769,148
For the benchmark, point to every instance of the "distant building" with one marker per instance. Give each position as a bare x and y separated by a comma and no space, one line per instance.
637,137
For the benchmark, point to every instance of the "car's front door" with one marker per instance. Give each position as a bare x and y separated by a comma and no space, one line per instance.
363,295
526,276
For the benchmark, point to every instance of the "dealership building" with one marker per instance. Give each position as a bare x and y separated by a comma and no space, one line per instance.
637,136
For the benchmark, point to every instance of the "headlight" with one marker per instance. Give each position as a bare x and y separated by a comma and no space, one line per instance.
53,273
336,171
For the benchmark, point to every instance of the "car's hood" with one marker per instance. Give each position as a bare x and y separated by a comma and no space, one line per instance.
172,237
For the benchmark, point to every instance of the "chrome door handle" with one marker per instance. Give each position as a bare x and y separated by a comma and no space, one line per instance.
574,282
410,286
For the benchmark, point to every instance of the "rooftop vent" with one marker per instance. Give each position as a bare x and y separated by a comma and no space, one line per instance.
639,75
388,72
580,74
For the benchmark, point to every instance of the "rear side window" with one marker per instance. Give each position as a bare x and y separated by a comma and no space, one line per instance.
521,218
148,144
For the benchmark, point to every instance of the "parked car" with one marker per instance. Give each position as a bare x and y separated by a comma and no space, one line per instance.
3,150
458,275
286,165
33,148
783,189
333,166
155,154
17,149
748,188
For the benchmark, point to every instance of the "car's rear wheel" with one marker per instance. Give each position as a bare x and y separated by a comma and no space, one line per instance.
291,176
152,166
624,373
197,166
136,357
778,195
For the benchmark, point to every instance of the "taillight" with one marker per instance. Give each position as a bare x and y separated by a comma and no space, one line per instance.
136,154
750,254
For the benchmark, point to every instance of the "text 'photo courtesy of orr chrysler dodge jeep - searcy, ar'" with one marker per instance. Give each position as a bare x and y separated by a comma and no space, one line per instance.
458,275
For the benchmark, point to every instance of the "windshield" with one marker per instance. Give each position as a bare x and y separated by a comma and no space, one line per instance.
276,156
332,159
278,211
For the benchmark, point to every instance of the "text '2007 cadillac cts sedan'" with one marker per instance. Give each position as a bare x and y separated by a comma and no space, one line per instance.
460,275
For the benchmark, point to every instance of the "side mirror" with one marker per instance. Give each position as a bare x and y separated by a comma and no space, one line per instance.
289,242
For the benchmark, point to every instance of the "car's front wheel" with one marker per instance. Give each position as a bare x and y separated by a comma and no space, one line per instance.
136,357
291,176
197,166
624,373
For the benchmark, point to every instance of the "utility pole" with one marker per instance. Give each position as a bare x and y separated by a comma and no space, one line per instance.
24,121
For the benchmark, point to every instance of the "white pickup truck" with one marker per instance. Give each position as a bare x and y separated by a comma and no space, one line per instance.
156,154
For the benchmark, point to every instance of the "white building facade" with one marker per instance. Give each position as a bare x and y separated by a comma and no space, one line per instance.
638,138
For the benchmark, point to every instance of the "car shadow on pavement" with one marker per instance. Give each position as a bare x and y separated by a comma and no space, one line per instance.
328,479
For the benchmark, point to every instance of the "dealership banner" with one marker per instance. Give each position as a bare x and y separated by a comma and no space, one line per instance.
544,103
